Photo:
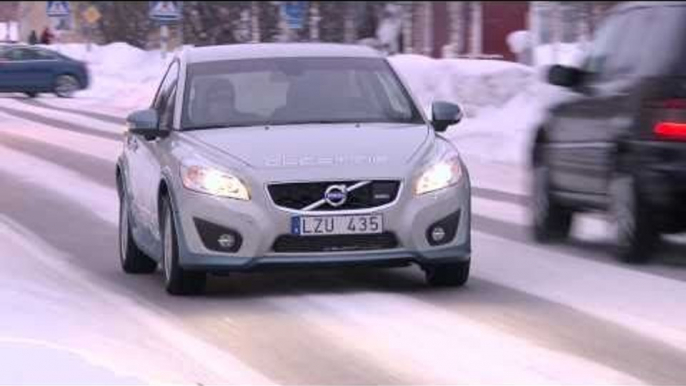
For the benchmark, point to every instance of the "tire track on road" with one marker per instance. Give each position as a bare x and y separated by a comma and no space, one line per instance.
59,124
90,114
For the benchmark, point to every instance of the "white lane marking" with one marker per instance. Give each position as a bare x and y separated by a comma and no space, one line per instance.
102,201
95,124
649,304
101,148
220,366
428,344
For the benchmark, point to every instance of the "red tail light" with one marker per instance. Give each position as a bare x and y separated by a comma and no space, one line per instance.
671,130
670,104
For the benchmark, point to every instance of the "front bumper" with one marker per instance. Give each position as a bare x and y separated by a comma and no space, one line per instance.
259,223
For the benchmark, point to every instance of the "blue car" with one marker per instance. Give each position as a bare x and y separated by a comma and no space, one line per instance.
33,70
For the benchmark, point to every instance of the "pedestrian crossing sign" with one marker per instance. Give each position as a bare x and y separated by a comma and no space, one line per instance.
58,8
165,10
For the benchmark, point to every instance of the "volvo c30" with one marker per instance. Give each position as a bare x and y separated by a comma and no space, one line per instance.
290,155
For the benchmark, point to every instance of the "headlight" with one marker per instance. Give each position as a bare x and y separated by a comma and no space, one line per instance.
440,175
211,181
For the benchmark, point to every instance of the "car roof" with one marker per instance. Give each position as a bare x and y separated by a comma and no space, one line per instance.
628,5
277,50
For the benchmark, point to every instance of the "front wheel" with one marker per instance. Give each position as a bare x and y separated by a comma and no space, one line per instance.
630,221
177,280
132,259
550,220
66,86
447,274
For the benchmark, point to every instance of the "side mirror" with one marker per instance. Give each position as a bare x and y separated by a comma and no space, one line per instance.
444,114
563,76
145,123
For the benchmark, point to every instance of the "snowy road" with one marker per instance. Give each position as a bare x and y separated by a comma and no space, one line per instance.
530,314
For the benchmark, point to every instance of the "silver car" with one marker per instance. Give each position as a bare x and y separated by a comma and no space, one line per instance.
266,155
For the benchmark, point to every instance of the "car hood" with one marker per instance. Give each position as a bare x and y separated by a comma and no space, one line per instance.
319,145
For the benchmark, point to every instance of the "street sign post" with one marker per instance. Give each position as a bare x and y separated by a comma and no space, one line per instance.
165,12
91,16
295,12
58,9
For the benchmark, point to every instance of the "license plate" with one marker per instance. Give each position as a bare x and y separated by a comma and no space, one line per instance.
336,225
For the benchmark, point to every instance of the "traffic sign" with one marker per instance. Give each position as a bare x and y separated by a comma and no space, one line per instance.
295,13
165,10
91,15
58,8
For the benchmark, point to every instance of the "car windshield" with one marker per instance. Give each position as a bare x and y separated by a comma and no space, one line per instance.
280,91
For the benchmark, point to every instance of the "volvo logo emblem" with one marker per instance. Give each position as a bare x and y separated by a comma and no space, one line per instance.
336,195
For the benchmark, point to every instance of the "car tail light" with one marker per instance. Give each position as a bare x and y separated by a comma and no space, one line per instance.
670,130
669,104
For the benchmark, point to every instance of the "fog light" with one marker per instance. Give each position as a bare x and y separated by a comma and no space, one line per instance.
226,241
438,234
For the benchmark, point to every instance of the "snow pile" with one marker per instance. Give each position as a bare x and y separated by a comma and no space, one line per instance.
9,31
499,98
569,54
120,74
519,41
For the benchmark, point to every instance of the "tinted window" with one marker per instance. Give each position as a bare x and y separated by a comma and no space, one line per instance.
604,45
625,58
45,54
665,51
165,93
294,90
21,54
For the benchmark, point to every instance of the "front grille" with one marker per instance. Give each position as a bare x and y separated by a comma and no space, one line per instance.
334,243
299,195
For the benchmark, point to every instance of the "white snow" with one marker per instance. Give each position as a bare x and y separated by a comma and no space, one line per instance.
122,76
56,337
9,31
519,41
570,54
435,346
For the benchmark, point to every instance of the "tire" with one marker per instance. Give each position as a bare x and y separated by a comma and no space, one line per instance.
447,274
551,221
66,86
630,220
31,94
177,281
133,260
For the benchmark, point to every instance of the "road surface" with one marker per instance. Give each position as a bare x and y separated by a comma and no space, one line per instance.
530,314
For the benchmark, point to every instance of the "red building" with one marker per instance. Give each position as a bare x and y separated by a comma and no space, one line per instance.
481,28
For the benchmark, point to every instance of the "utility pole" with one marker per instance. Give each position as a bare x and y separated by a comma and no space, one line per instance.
254,22
407,27
314,21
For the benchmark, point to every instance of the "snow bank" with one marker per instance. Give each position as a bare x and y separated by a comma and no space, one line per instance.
570,54
499,99
120,74
9,31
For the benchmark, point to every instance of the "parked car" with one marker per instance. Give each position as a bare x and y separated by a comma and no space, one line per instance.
264,155
617,142
33,70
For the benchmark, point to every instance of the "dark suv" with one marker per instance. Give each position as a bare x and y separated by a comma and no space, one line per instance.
617,141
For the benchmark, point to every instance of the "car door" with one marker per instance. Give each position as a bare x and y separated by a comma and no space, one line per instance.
144,169
28,71
585,129
10,70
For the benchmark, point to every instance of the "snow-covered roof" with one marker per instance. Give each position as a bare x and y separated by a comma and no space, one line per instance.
277,50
